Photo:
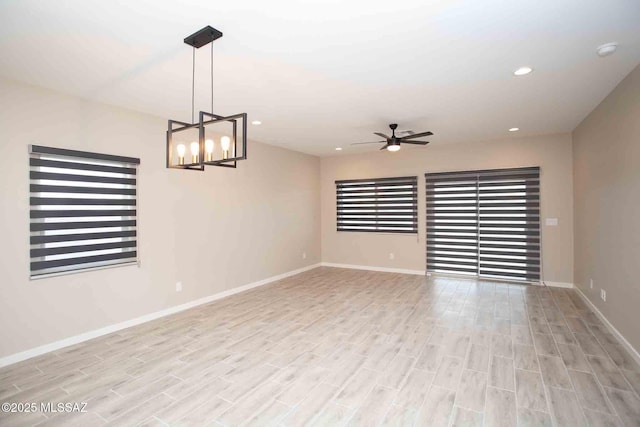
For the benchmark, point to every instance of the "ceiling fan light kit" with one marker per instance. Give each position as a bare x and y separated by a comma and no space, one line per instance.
213,140
393,142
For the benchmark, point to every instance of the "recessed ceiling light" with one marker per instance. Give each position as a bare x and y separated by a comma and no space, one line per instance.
256,122
523,71
514,129
338,148
606,49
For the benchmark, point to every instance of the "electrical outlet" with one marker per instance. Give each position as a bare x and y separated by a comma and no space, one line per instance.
591,283
179,287
304,255
392,256
603,295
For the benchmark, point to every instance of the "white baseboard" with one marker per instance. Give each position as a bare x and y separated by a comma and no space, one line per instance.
57,345
559,285
370,268
626,344
422,273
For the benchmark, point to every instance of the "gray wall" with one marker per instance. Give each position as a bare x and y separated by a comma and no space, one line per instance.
552,153
213,230
606,172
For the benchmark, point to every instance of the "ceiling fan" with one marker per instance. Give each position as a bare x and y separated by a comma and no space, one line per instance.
392,143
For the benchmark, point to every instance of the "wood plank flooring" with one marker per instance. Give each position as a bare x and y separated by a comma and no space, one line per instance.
335,347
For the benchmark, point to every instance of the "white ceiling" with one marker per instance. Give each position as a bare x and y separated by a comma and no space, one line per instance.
325,73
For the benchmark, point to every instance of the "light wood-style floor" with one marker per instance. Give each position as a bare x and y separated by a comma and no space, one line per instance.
334,347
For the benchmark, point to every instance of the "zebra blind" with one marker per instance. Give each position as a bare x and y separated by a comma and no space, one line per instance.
82,210
388,205
484,223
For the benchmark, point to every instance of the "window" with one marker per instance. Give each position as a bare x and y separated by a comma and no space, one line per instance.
82,210
388,205
484,223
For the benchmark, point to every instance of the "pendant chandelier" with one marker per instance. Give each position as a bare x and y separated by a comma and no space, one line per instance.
213,140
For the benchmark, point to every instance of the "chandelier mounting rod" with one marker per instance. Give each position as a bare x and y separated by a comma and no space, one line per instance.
196,40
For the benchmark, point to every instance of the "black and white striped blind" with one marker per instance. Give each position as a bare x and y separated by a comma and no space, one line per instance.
82,210
484,223
387,205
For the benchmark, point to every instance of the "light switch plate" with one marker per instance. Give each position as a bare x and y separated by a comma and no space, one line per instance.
551,221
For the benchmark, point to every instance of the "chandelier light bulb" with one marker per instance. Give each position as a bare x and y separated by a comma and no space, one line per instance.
225,143
195,148
208,146
181,150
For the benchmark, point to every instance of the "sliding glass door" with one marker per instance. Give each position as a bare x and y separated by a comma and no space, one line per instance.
484,223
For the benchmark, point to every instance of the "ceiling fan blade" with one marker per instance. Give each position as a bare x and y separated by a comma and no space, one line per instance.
382,135
415,142
417,135
373,142
385,147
